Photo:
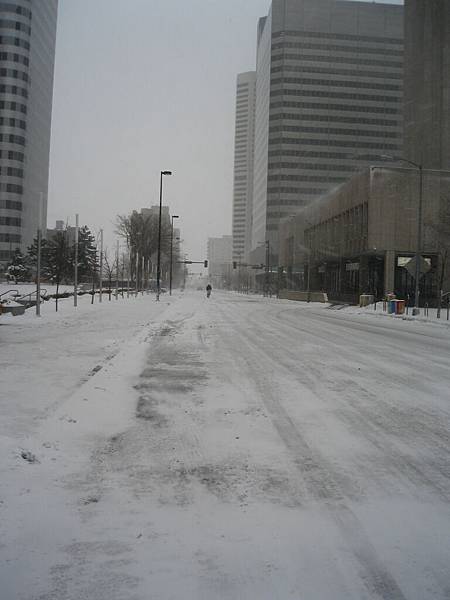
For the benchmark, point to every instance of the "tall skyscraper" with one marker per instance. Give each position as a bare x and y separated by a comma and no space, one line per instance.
329,98
27,54
427,82
244,146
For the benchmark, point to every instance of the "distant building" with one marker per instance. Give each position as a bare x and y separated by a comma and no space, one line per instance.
244,146
27,54
60,226
219,253
427,82
329,99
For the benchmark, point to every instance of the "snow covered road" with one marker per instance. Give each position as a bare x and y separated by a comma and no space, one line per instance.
233,448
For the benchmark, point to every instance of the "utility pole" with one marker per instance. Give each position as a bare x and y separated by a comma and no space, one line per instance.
117,270
101,265
171,255
38,262
75,279
416,309
267,266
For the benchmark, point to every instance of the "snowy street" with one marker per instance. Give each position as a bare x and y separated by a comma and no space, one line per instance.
232,448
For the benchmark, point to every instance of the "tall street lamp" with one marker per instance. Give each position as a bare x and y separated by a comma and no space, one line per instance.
418,255
158,266
171,254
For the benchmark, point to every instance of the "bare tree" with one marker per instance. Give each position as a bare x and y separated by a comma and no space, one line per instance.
109,268
141,236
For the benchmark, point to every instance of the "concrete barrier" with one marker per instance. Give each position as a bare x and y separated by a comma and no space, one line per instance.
303,296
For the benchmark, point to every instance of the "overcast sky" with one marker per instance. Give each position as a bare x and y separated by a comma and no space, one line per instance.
143,86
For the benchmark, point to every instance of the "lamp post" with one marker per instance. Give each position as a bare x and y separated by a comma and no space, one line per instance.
418,254
101,266
171,253
38,264
158,265
75,276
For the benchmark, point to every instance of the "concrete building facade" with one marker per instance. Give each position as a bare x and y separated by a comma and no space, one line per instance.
244,144
361,237
219,253
27,54
329,99
427,82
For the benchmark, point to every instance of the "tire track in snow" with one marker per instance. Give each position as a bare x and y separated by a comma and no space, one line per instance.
313,469
381,421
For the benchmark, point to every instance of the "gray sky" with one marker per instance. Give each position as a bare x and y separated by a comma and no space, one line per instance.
143,86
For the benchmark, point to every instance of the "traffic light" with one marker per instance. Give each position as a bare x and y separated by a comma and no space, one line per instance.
234,264
205,264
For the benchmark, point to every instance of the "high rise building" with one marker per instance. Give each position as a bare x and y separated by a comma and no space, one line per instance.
27,54
427,82
244,145
219,253
329,98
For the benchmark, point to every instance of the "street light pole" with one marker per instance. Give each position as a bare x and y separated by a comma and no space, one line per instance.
101,266
158,266
38,264
171,254
416,309
75,277
418,254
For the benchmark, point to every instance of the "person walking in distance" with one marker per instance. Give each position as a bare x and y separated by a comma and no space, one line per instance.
208,290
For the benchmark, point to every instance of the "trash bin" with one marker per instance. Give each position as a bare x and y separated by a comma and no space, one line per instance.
391,306
399,307
396,307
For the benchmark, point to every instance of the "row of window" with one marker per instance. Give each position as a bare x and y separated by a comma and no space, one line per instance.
327,71
15,74
332,131
337,36
13,57
10,122
10,204
17,25
7,40
12,139
315,154
14,106
333,59
6,254
241,86
11,172
11,188
336,48
343,107
311,178
10,237
336,143
338,83
13,8
340,95
12,155
313,166
291,190
334,119
11,221
13,89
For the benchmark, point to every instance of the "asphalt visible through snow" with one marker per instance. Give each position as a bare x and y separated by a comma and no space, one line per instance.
273,450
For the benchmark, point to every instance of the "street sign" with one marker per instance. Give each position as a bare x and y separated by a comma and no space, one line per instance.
424,266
